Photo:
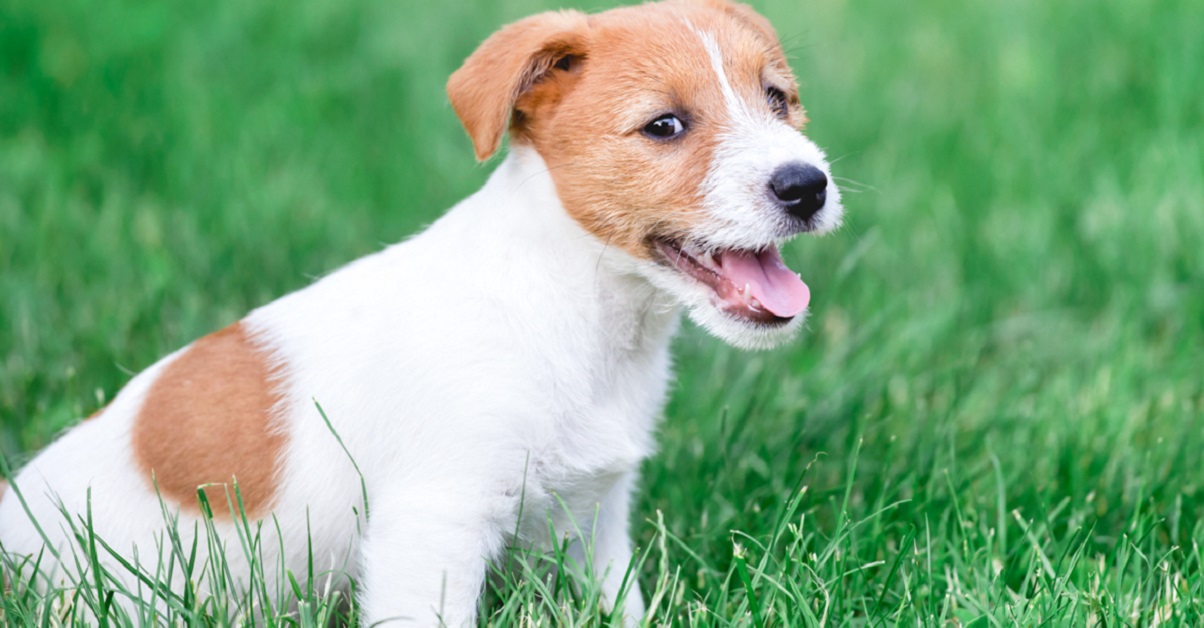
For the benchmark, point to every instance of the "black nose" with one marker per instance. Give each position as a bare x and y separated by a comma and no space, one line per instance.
799,189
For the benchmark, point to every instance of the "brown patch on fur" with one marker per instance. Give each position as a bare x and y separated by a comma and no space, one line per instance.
208,420
628,67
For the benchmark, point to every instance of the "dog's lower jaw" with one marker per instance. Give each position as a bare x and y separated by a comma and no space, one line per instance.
701,306
744,334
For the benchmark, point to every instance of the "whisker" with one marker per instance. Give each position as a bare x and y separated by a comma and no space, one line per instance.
598,264
859,186
544,171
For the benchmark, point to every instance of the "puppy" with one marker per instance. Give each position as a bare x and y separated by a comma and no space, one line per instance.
504,366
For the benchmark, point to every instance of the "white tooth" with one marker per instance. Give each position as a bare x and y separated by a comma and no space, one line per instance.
708,259
746,291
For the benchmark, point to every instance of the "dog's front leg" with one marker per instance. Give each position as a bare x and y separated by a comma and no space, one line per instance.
424,558
612,553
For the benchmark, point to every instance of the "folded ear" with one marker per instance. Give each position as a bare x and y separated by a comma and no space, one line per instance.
484,90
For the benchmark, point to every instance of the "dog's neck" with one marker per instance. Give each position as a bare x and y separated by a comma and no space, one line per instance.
522,237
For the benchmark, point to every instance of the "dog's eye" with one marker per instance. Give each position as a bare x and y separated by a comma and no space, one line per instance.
665,127
777,102
567,62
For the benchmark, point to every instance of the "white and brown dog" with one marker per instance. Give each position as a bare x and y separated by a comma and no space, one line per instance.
507,364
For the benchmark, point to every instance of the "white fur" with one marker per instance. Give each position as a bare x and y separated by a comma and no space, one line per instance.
501,367
753,145
523,359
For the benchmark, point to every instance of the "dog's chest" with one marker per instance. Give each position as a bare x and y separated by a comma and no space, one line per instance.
602,413
603,405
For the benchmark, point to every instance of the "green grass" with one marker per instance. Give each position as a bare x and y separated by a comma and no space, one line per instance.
995,418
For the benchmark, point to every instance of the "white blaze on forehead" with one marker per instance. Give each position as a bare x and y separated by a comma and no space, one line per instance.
753,144
735,105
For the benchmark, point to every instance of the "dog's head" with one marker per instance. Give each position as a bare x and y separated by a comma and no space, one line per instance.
671,131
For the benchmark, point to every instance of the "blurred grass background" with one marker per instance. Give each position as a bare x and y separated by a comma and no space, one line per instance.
1010,327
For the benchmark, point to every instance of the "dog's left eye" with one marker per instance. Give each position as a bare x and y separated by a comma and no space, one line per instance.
778,102
665,127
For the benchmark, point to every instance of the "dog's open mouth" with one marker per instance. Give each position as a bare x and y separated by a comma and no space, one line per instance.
752,285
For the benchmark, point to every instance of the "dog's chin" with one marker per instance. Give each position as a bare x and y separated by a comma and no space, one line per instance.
744,333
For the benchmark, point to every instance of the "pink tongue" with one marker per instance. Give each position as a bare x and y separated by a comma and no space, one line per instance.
769,280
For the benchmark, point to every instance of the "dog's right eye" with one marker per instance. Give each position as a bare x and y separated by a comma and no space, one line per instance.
665,127
778,102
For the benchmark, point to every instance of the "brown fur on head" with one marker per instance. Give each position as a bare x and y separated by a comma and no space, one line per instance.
580,89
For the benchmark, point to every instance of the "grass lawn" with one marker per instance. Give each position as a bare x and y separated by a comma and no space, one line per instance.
995,418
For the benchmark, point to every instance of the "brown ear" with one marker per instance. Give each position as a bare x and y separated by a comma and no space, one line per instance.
483,91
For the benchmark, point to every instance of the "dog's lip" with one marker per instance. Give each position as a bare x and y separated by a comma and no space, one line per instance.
754,285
